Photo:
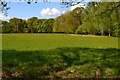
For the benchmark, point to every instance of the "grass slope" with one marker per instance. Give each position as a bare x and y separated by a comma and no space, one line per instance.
62,63
59,56
32,42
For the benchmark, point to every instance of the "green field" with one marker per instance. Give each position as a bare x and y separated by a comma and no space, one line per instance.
34,42
59,56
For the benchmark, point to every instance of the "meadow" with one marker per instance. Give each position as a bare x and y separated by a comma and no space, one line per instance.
59,56
34,42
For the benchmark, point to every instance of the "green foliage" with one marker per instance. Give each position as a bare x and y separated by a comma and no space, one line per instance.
47,25
69,21
30,24
99,18
60,25
6,28
102,18
17,25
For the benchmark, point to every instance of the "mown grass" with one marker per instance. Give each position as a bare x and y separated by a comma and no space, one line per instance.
62,63
34,42
59,56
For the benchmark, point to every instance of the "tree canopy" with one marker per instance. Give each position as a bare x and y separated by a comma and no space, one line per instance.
99,18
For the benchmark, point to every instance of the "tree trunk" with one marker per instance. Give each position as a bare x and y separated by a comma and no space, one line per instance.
109,34
102,33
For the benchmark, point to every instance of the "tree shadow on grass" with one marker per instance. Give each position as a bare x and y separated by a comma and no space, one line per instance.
47,64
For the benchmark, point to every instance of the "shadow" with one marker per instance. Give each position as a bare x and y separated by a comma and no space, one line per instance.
42,64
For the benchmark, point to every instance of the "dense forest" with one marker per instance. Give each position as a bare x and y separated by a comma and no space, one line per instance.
99,18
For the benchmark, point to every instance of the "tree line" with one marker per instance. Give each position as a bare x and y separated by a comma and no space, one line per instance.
32,25
99,18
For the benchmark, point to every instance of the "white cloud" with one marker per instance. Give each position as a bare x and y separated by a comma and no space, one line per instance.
47,12
77,5
63,12
4,17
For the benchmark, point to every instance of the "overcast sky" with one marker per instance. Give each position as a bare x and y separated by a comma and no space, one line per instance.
41,10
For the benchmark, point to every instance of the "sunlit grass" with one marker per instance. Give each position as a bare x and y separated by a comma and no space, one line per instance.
51,41
59,56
